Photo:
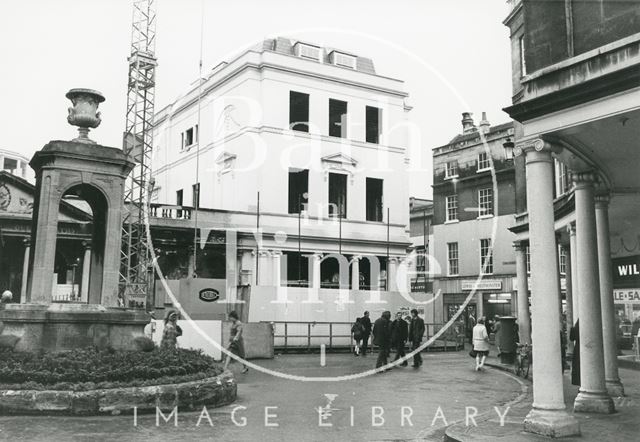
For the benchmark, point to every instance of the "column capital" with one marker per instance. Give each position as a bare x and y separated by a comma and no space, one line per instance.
318,255
27,242
276,253
587,178
356,258
263,253
86,244
535,145
602,200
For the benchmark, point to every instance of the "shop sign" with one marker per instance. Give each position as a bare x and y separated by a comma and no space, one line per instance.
627,296
626,271
209,295
483,284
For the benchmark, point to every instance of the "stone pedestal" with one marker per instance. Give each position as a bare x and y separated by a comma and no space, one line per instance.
59,327
551,423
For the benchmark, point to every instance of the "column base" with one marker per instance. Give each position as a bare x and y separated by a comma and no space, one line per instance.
551,423
588,402
615,388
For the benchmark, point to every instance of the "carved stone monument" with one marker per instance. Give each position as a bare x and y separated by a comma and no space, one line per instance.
97,174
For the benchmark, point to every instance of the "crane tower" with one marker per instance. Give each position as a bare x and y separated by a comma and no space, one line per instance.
135,264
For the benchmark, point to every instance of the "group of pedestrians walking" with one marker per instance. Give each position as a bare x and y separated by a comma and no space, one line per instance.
388,335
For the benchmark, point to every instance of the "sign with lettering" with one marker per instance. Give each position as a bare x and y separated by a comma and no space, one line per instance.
626,271
484,284
627,296
209,295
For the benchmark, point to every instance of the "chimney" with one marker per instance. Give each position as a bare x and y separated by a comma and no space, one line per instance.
484,123
467,123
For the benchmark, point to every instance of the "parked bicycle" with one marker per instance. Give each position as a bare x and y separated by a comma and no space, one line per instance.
523,360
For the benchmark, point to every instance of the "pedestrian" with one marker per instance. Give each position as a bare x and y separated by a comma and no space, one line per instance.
480,343
357,330
382,337
416,332
150,328
171,331
236,341
399,335
366,323
574,335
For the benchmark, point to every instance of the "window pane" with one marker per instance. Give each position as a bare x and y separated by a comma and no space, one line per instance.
373,124
374,199
299,111
337,118
298,188
337,195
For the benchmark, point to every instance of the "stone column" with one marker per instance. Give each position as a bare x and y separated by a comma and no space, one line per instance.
569,291
575,292
548,415
355,273
276,257
315,271
479,305
392,273
86,271
522,280
25,270
264,268
593,397
612,379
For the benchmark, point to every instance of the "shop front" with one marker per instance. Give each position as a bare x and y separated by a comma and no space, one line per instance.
626,288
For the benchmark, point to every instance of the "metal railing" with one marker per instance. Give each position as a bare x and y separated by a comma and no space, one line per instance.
170,211
302,336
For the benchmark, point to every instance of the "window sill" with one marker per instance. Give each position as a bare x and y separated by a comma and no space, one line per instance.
452,177
485,216
453,221
486,169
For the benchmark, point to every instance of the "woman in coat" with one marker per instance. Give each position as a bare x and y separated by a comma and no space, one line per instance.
574,335
171,331
480,343
236,341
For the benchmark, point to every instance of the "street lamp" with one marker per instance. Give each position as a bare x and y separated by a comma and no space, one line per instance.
508,146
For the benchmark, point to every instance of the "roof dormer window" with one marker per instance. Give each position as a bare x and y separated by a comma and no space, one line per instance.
342,59
304,50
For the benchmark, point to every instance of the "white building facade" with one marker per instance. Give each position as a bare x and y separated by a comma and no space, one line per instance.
302,150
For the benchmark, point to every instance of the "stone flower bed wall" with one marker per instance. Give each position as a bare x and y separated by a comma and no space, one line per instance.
214,391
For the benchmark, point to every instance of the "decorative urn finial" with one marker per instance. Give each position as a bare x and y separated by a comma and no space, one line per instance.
84,112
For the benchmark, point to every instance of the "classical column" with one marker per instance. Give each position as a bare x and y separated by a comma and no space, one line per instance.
593,397
569,291
575,292
264,268
276,257
392,273
548,415
355,273
315,270
524,318
612,380
25,270
86,271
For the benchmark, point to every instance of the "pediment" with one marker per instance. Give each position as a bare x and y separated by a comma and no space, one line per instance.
339,158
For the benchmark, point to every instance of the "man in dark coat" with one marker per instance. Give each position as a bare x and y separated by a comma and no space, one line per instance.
416,331
366,323
399,335
382,337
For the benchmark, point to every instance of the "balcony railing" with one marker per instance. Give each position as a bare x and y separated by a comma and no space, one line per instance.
170,212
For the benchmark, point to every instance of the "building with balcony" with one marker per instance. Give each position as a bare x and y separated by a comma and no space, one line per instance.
576,106
474,203
300,150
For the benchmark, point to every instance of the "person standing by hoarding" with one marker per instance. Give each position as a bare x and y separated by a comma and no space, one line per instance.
356,331
366,323
399,335
480,343
382,337
236,341
416,332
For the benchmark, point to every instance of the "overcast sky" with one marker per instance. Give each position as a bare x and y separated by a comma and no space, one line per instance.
453,55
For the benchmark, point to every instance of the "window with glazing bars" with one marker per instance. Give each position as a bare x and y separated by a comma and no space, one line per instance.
452,252
485,202
486,256
452,207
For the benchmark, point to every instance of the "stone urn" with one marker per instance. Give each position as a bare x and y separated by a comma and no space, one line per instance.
84,112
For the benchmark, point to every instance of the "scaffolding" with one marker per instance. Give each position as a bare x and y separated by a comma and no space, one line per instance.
135,266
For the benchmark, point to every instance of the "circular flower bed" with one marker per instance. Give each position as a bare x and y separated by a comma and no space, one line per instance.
90,369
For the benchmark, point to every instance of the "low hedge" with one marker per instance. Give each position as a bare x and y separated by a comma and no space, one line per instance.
89,369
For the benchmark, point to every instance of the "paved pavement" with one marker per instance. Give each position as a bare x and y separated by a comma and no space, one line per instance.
437,392
624,425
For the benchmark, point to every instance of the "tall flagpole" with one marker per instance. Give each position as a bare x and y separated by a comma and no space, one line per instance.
257,235
387,265
299,244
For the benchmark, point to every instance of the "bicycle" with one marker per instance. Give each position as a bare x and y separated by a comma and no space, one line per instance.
523,360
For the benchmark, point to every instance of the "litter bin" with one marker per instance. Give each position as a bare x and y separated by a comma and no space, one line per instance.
506,339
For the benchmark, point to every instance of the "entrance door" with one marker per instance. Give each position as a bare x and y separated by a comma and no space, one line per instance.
468,317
